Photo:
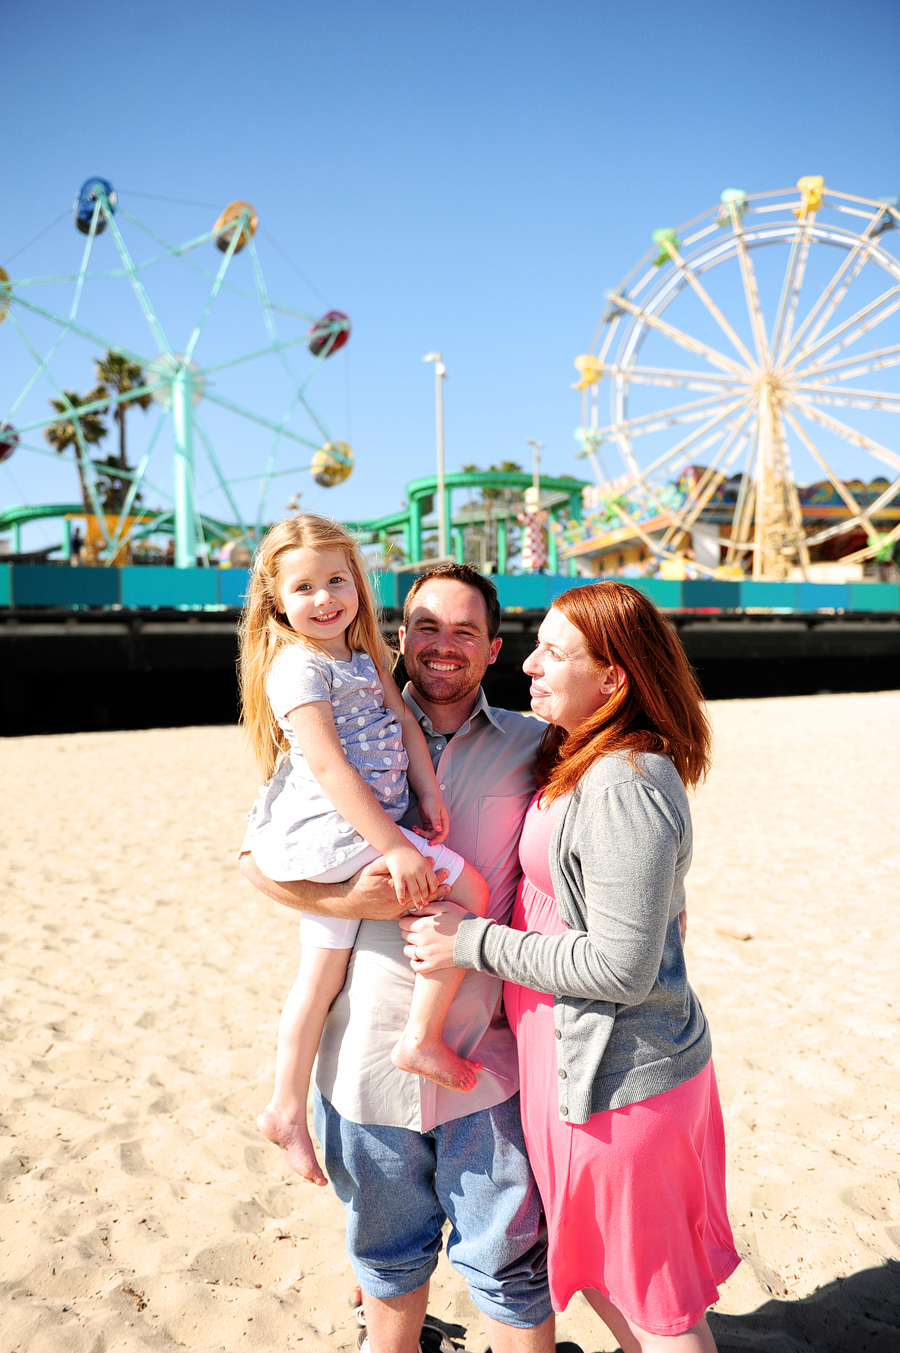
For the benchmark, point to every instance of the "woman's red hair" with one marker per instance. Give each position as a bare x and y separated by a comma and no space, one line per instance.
659,706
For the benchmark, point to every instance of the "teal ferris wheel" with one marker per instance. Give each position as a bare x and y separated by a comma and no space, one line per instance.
210,454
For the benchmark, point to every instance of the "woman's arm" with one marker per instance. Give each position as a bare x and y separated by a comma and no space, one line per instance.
627,855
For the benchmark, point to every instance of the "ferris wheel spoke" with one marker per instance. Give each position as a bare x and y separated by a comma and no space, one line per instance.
846,368
214,291
137,285
860,556
860,365
315,416
837,484
682,339
751,291
266,305
684,518
742,517
217,469
44,362
215,398
270,467
137,479
848,397
258,352
180,252
668,457
700,291
789,485
679,413
662,376
835,291
80,330
790,291
843,528
866,318
81,452
849,434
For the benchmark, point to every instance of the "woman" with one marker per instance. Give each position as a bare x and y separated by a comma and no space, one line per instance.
619,1100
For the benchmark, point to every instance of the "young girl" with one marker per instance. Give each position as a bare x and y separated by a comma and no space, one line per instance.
333,739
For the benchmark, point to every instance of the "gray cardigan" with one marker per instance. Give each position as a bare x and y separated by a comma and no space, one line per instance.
628,1024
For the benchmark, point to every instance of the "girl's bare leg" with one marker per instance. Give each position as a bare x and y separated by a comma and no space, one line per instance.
421,1048
632,1339
319,979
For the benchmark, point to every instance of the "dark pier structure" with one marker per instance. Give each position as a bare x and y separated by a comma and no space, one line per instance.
84,669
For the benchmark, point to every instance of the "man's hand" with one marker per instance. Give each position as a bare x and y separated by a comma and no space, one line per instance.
367,896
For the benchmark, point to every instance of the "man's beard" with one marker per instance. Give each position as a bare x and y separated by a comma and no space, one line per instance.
443,688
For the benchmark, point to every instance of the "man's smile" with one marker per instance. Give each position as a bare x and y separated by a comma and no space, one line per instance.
442,665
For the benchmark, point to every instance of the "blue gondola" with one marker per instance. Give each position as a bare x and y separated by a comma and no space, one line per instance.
84,204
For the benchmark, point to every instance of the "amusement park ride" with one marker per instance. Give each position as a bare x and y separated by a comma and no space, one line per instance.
173,379
762,315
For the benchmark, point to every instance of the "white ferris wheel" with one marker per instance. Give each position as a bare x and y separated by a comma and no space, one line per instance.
754,350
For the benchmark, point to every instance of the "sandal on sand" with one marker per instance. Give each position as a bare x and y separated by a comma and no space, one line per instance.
565,1347
432,1339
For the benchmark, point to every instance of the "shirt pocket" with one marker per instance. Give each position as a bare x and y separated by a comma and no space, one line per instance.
497,832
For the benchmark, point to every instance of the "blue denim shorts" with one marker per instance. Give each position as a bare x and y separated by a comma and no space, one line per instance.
399,1187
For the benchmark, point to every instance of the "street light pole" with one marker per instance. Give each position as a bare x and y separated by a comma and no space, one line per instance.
536,474
440,373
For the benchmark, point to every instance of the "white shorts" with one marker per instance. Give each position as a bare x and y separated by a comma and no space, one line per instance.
330,932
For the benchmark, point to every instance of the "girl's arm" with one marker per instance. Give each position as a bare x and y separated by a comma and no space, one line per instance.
435,822
317,735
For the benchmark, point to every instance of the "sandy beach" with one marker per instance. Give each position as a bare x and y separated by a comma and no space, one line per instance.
141,987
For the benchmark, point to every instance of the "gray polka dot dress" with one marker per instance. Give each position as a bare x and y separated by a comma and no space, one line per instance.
293,830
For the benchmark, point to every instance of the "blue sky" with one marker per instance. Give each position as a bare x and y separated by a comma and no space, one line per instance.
463,177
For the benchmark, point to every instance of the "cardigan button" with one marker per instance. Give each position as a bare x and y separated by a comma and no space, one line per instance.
562,1074
564,1111
557,1032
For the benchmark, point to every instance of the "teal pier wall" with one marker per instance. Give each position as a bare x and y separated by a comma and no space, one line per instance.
52,586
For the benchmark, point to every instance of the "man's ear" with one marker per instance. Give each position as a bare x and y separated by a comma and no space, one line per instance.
495,649
401,639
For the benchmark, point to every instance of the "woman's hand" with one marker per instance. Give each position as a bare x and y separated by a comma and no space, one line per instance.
430,936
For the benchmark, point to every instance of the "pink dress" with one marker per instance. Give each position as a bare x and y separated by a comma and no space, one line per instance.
634,1198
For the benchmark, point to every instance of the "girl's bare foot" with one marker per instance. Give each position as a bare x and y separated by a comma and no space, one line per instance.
435,1061
295,1142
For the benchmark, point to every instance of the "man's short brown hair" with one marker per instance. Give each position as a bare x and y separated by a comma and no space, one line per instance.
459,573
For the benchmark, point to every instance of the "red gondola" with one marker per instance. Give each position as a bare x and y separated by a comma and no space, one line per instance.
9,440
329,333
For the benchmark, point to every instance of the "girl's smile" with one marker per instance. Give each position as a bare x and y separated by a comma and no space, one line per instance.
318,597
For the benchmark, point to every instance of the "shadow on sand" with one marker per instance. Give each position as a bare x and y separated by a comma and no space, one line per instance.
859,1314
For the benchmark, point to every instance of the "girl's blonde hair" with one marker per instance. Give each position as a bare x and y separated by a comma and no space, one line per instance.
264,629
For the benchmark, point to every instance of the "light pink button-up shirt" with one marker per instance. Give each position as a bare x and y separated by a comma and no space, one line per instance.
485,775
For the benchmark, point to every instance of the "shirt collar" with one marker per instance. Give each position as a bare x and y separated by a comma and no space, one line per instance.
481,706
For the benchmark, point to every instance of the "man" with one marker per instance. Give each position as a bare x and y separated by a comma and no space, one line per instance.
404,1154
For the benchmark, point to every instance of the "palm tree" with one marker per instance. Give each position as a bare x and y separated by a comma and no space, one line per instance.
63,434
494,499
116,375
